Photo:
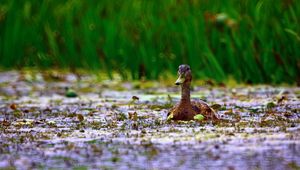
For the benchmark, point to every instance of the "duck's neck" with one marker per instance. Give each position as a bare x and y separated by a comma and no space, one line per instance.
185,93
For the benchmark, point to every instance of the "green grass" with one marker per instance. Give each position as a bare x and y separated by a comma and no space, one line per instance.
254,41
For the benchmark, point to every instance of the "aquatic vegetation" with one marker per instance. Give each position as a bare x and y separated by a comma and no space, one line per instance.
253,41
70,92
199,117
40,125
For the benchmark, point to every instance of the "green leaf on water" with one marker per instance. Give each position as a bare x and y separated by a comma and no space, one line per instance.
198,117
70,93
270,105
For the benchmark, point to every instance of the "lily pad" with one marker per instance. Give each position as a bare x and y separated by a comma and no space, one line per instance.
70,93
199,117
270,105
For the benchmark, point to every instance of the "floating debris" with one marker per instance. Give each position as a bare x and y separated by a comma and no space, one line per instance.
41,128
70,92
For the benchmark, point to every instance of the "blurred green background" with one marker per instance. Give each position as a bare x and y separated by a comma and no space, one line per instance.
254,41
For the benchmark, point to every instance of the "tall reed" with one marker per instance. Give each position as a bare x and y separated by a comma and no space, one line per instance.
252,41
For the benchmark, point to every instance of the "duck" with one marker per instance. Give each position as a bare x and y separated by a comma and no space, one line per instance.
186,109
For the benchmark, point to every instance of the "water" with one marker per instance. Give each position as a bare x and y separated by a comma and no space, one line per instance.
43,129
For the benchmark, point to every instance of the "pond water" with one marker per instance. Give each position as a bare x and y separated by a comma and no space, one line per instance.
103,126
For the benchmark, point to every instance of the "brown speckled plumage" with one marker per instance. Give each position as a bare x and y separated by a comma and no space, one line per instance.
185,109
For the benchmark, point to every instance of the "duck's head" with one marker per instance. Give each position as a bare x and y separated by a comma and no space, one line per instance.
184,74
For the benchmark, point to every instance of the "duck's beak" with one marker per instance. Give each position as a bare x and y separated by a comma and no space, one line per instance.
180,79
